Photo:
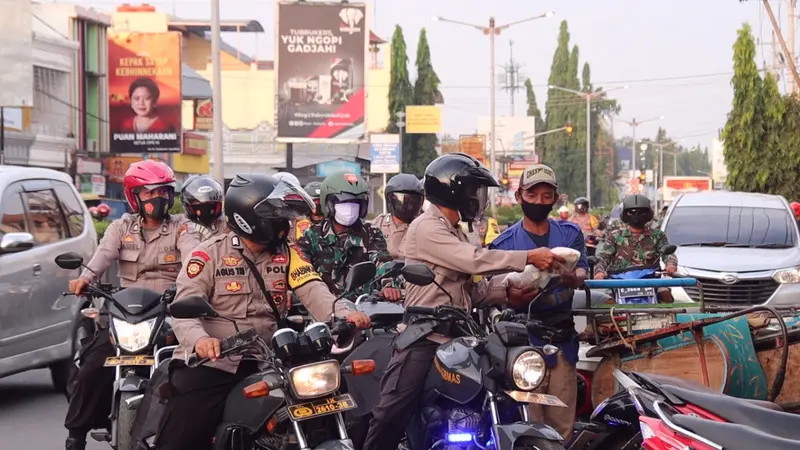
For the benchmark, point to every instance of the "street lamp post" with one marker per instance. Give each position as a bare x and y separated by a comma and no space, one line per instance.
216,93
589,97
492,30
635,124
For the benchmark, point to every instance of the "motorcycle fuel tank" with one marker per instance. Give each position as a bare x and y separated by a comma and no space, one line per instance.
456,373
617,410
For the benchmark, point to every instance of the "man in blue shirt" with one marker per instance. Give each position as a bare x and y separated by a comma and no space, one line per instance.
537,195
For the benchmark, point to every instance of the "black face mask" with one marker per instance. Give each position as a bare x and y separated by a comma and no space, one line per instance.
535,211
637,221
156,208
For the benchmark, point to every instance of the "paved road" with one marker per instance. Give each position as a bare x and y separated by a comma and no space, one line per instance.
32,413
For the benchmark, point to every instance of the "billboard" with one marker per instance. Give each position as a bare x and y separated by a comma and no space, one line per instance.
16,53
473,145
514,134
423,119
144,86
321,72
203,115
674,186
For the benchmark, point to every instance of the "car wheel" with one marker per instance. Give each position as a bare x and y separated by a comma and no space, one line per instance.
61,372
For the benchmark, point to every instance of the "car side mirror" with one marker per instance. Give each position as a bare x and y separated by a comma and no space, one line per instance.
670,249
69,261
418,274
192,308
359,275
16,242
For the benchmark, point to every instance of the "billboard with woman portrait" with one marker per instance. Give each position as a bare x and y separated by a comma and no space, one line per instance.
144,89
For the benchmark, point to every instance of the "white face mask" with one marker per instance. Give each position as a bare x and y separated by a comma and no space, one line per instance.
346,213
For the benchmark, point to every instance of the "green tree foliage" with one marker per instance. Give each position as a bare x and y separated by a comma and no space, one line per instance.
401,94
567,154
426,92
744,131
533,111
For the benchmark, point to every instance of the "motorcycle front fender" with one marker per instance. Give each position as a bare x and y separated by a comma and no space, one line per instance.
339,444
508,434
129,384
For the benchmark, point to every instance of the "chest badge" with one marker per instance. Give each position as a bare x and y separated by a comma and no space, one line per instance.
280,259
231,261
128,239
279,285
233,286
170,258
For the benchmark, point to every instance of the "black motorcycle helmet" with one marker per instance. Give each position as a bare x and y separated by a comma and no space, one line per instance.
636,210
258,208
459,181
581,205
201,196
313,190
404,196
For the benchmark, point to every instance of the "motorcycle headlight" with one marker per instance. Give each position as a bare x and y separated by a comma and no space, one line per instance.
315,380
133,337
528,370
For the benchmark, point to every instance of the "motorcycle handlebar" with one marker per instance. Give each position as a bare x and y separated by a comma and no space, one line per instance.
226,346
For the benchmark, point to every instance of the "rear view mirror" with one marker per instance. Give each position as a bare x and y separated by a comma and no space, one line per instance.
418,274
192,308
359,275
16,242
670,249
69,261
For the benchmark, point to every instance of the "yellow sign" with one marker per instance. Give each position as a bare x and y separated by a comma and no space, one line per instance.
423,119
473,145
300,269
190,163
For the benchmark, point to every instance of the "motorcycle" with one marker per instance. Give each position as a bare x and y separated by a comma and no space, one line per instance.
638,295
295,399
142,339
480,383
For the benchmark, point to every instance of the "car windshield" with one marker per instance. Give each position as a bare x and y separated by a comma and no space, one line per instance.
724,226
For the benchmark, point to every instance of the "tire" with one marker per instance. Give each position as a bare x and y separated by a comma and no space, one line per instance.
528,443
124,427
61,372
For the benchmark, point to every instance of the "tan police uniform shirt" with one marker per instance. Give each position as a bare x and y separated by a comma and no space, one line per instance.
218,227
394,232
216,271
149,259
433,241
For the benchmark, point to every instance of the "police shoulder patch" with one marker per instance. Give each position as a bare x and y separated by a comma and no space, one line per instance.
300,269
194,268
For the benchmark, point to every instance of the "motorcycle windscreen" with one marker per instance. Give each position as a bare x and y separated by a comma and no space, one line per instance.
135,301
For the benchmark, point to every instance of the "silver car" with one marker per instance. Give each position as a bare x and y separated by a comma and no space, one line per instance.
742,247
41,216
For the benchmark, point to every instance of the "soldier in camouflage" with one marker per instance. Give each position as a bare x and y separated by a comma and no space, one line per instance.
635,245
344,238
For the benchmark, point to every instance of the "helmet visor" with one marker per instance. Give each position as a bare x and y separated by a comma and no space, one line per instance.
286,201
406,205
476,201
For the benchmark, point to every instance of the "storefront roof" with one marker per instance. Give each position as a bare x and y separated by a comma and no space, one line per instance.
193,85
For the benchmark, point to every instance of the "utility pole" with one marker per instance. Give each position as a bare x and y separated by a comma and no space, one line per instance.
216,93
787,52
790,18
512,77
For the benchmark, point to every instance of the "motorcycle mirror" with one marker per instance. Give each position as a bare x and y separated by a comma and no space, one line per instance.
359,275
670,249
192,308
69,261
418,274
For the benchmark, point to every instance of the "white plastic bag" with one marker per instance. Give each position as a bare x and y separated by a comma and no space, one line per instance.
532,276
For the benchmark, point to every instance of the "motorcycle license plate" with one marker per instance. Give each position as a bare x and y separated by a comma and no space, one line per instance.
635,292
136,360
322,407
539,399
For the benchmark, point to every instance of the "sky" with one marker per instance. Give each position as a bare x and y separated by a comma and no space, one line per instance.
675,55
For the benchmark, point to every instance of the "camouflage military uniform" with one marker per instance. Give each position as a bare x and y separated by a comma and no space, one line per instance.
622,249
332,255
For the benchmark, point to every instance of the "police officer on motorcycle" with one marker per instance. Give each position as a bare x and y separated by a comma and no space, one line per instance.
201,197
149,245
456,185
404,196
245,274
